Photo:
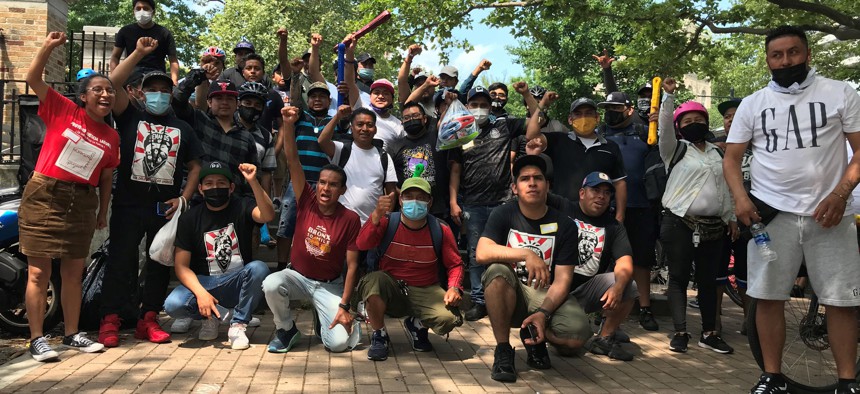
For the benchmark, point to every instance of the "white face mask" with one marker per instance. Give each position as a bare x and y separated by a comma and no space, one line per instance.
143,17
482,115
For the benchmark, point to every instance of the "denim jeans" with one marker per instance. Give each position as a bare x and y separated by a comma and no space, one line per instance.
476,219
288,285
240,290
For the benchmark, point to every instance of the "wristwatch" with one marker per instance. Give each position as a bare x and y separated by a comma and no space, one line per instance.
344,306
544,311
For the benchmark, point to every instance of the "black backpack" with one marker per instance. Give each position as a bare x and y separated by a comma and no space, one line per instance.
346,151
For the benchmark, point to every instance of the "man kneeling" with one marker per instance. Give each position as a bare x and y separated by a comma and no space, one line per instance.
533,243
407,283
213,255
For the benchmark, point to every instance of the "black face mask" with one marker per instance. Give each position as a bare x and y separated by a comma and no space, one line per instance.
249,114
614,118
498,104
413,127
217,197
786,77
694,132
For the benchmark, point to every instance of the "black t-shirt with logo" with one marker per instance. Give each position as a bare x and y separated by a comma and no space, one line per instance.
153,153
422,150
551,237
219,241
486,177
572,162
127,38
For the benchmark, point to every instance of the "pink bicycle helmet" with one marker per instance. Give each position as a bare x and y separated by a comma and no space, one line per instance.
689,106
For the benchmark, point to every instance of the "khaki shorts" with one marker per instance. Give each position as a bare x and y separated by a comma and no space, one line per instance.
56,218
569,320
426,303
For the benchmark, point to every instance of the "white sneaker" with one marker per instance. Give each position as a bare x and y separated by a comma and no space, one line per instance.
181,326
225,320
238,339
209,329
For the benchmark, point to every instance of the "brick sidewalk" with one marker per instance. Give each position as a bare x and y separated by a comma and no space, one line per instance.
460,365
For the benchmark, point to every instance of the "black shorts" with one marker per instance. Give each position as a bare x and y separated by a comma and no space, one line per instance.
642,230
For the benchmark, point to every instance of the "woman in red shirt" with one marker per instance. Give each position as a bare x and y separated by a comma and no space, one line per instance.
57,216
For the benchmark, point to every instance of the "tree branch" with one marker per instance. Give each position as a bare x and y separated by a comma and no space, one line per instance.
838,32
821,9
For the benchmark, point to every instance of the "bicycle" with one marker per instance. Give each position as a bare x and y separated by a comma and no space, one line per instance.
807,362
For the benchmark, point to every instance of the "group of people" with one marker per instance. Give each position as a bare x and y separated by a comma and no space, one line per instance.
559,219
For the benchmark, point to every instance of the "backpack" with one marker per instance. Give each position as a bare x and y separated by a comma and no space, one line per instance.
435,236
656,173
346,151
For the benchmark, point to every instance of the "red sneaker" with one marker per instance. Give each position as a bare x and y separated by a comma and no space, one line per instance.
149,329
109,330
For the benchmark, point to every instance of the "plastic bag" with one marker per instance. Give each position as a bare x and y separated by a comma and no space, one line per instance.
458,127
162,247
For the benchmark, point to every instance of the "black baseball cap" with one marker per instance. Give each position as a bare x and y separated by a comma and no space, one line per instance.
216,168
616,98
155,75
222,87
364,57
726,105
582,101
478,90
530,160
135,79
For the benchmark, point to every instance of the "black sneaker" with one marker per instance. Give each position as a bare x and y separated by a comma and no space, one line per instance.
41,350
420,340
618,336
679,342
850,388
538,356
715,343
284,340
80,342
769,384
378,350
606,346
694,303
478,312
646,319
504,369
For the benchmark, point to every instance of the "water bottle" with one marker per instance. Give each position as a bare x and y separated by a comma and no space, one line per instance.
762,241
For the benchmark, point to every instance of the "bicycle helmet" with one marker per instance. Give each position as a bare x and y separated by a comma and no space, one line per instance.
689,106
254,89
84,73
214,51
537,92
244,44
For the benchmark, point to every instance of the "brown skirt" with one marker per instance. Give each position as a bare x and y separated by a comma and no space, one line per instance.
57,218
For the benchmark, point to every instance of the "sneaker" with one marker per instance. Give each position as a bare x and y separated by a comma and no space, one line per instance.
478,312
81,342
679,342
41,350
254,322
209,329
420,340
284,340
317,324
694,303
237,337
850,388
607,346
618,336
715,343
379,343
538,356
646,319
181,326
149,329
504,368
225,321
109,330
769,384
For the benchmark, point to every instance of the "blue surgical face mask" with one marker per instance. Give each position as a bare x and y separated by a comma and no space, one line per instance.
415,209
157,103
366,74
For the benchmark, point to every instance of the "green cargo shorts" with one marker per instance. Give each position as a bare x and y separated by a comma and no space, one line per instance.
426,303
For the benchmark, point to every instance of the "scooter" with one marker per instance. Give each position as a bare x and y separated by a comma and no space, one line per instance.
13,273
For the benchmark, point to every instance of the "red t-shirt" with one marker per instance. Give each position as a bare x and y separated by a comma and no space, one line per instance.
76,147
320,242
410,256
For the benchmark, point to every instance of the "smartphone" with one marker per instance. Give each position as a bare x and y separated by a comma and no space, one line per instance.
532,332
161,208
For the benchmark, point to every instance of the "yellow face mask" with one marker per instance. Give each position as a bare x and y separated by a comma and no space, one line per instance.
584,126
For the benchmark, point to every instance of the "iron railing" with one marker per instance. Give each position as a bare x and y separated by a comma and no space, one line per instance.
90,50
11,122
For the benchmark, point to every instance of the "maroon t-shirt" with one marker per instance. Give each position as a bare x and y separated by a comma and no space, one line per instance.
321,241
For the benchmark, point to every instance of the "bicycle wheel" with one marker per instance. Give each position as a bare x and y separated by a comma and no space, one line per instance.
807,362
659,272
732,286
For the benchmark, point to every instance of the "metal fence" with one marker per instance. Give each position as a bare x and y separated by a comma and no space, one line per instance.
11,122
89,50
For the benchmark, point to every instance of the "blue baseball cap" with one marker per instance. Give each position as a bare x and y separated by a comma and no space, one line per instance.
597,178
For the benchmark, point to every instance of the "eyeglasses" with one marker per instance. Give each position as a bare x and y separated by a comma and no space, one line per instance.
99,90
407,118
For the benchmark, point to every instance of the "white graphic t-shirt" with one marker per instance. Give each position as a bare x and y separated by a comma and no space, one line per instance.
222,249
155,151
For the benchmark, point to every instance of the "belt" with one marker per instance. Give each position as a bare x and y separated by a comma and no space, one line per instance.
290,266
76,185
